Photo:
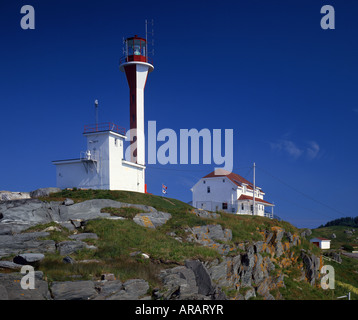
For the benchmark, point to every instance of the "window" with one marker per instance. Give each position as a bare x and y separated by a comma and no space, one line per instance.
204,181
223,180
208,189
242,206
224,206
116,142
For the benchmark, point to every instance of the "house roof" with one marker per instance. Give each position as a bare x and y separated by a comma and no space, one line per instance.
244,197
320,238
235,178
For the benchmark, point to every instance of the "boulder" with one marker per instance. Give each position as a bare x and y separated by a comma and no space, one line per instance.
68,202
28,258
43,192
152,219
73,290
68,247
10,266
68,259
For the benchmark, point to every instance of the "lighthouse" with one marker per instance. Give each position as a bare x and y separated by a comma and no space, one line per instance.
105,164
136,65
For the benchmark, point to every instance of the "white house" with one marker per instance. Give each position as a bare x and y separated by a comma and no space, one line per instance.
321,243
102,165
228,191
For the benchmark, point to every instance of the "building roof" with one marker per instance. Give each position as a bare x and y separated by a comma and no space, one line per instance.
320,238
235,178
244,197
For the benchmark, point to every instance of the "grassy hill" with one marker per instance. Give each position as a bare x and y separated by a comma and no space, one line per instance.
342,237
119,241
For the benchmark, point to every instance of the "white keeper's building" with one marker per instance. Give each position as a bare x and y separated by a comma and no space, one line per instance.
221,190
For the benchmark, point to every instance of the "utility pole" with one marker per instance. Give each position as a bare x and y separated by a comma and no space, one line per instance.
253,209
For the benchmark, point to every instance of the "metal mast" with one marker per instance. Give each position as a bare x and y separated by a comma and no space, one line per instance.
253,209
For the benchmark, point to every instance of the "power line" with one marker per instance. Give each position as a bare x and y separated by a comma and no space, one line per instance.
302,193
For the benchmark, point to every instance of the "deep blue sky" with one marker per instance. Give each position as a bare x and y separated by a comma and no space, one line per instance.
263,68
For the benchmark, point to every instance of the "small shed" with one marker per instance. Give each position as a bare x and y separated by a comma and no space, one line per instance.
321,243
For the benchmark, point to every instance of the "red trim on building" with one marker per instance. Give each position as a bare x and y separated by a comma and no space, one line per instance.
244,197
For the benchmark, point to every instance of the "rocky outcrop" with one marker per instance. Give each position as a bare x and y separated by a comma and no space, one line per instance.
18,215
190,282
209,236
25,242
9,195
243,271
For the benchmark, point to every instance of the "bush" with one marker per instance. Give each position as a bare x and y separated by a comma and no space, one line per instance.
348,247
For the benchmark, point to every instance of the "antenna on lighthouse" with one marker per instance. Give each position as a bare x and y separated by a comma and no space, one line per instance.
146,37
96,113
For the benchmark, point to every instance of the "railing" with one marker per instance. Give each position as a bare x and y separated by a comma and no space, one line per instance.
106,126
141,58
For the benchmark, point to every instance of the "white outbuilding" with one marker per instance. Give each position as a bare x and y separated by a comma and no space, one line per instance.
222,190
102,165
321,243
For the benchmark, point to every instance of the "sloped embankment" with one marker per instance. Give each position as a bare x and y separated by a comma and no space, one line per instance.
166,251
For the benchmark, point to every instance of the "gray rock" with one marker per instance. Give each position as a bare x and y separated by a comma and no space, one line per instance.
43,192
305,233
10,287
73,290
68,247
205,214
28,258
9,195
179,282
83,236
108,288
202,277
278,249
3,293
258,245
68,259
152,219
10,265
68,202
25,242
258,273
208,235
311,265
133,289
250,293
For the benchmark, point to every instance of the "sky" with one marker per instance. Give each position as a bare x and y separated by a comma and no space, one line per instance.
265,69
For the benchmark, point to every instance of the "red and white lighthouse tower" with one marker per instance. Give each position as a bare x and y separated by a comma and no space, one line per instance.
136,66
